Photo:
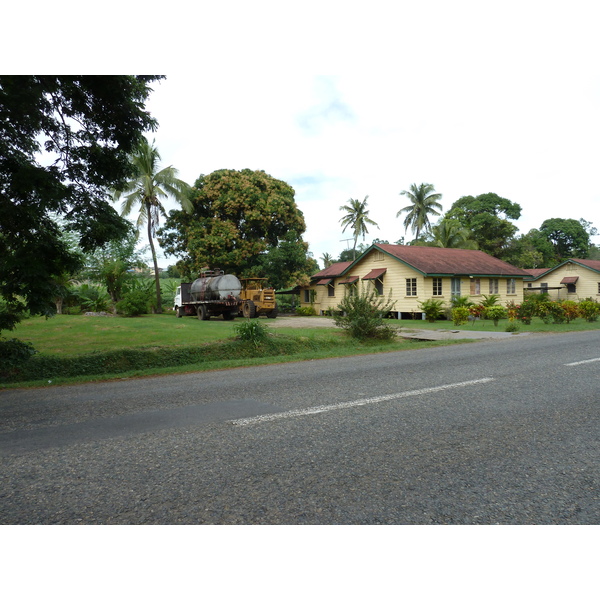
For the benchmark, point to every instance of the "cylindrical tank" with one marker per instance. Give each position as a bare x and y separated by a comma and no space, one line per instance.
221,287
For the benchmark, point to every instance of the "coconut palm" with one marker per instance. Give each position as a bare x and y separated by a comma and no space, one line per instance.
149,186
424,202
357,218
449,233
327,259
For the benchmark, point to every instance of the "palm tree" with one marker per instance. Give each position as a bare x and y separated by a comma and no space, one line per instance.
357,218
424,202
147,188
327,259
449,233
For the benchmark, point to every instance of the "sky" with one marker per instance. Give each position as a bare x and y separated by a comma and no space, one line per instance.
347,100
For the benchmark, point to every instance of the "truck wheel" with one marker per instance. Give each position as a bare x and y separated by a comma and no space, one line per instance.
203,313
249,309
179,311
272,314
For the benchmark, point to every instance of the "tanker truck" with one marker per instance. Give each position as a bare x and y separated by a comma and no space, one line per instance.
212,294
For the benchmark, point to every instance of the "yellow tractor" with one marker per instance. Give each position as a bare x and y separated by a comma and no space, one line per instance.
257,299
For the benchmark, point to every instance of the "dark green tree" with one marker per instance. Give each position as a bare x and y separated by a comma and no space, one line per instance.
236,217
357,218
63,142
449,233
532,250
424,201
149,185
569,237
487,217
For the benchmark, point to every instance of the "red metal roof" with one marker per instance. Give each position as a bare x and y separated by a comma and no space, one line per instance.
569,279
324,281
586,262
349,280
451,261
375,274
535,273
334,270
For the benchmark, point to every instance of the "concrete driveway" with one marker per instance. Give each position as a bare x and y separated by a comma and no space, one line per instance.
405,332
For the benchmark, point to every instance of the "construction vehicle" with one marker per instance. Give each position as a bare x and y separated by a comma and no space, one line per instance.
214,293
257,299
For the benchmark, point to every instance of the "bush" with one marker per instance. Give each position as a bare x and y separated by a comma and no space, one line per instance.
433,309
460,315
13,353
494,313
512,327
252,330
363,313
133,304
93,298
306,311
589,310
571,310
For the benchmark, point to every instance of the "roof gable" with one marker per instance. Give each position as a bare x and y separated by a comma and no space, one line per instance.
431,260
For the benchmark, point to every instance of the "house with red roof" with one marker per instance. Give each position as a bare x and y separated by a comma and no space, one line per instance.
573,279
413,274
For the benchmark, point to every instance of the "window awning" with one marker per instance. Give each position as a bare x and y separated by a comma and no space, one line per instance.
375,274
352,279
324,282
569,279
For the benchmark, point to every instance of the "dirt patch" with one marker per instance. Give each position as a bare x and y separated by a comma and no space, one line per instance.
299,322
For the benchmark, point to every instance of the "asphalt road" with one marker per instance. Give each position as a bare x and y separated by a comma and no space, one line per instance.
502,431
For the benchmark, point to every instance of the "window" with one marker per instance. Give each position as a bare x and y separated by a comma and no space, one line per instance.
331,288
494,286
378,256
306,295
511,286
475,286
411,286
544,287
455,287
571,288
599,287
437,286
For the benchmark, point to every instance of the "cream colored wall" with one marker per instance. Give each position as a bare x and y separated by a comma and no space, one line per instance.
586,286
395,280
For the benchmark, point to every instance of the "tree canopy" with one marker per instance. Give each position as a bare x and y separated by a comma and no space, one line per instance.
236,217
569,237
63,142
487,217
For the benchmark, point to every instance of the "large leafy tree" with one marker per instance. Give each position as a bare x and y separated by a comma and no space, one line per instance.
236,217
357,218
144,192
63,142
487,217
424,201
569,237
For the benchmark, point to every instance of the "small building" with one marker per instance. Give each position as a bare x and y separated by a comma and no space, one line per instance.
573,279
413,274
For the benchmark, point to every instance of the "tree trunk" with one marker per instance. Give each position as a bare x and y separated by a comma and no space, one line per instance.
158,308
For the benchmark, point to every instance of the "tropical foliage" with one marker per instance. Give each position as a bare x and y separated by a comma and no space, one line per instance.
145,191
357,218
424,201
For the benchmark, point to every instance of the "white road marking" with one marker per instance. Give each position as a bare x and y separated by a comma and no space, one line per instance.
362,402
581,362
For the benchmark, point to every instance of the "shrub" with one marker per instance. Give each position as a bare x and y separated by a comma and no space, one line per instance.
495,313
460,315
433,309
476,311
13,353
306,311
461,302
363,313
133,304
589,310
252,330
571,310
93,298
512,327
490,300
